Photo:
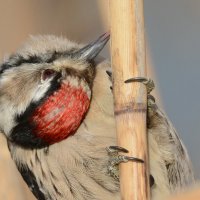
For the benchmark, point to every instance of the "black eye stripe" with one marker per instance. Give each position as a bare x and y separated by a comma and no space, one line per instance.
17,60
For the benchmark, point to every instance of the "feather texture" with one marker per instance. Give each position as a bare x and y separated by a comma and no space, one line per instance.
76,168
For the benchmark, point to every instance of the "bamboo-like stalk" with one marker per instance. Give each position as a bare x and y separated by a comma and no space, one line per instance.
128,61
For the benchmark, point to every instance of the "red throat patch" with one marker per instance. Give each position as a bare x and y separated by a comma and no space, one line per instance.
61,114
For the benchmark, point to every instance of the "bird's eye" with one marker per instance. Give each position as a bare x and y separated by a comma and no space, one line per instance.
47,74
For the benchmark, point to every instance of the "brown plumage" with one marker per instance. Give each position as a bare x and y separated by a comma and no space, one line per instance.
76,167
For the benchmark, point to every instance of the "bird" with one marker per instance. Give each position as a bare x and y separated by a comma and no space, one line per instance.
57,114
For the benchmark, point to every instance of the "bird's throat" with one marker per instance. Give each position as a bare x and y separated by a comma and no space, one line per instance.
60,114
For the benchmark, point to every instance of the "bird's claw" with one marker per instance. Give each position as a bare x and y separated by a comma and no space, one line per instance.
116,149
116,159
148,82
151,105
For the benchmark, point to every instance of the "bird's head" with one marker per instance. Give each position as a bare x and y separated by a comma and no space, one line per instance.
45,90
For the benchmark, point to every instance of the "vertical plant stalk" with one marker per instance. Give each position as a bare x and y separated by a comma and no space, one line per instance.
130,99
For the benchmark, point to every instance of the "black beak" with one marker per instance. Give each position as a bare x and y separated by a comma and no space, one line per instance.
90,51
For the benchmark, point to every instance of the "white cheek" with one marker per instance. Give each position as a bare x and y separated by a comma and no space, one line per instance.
6,77
3,80
6,118
41,90
9,112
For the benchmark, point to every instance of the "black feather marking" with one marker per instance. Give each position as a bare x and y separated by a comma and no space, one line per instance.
31,162
22,133
37,160
109,73
30,180
68,183
151,180
53,176
43,172
17,60
57,191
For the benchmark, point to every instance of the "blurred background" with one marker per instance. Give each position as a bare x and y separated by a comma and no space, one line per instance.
172,33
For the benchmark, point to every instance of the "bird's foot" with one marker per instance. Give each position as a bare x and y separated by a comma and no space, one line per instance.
149,83
116,159
151,106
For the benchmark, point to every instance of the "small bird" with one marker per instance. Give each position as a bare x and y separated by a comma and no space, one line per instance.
57,115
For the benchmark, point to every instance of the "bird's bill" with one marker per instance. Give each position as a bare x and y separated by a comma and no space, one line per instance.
90,51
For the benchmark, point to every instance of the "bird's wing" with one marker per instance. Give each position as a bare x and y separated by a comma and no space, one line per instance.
180,173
